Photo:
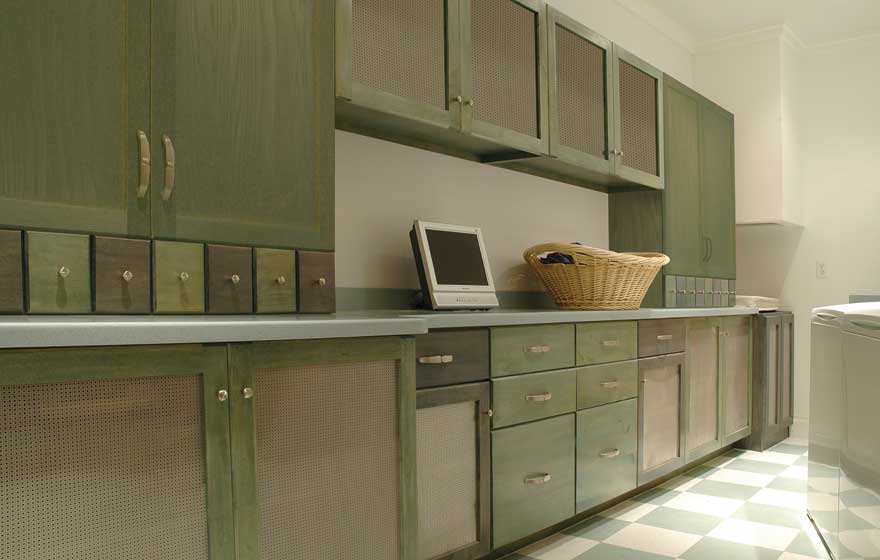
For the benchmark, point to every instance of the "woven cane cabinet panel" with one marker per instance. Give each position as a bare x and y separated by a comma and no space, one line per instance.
399,47
581,89
638,119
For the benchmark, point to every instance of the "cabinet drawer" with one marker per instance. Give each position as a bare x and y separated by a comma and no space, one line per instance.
532,477
275,280
607,443
122,275
451,357
661,336
59,273
230,279
11,273
178,277
607,383
531,397
531,348
600,343
317,282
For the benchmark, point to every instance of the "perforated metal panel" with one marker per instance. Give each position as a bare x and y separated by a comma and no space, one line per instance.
327,462
103,470
580,75
504,58
446,449
399,47
638,113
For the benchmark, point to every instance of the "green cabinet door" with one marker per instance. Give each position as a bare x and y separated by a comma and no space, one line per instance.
116,453
736,378
242,122
702,388
74,96
607,447
718,212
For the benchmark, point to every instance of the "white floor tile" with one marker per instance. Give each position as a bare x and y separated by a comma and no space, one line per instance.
780,498
754,534
796,441
629,511
720,461
870,514
708,505
733,476
864,543
653,539
771,457
819,501
824,485
793,556
846,484
799,473
559,547
681,483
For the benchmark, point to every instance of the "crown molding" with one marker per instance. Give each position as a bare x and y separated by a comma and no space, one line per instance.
749,37
659,20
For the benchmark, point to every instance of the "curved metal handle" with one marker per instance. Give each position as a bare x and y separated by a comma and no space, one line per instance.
145,161
610,384
444,359
538,478
537,349
711,249
542,397
170,162
609,453
610,343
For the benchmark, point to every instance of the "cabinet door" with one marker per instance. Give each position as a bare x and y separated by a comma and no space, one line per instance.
242,120
606,453
115,453
736,374
580,92
717,191
681,200
702,390
504,72
638,120
661,437
75,93
771,375
323,446
786,370
453,465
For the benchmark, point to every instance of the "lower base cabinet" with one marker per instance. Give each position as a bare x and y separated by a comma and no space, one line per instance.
736,372
532,477
661,399
607,445
772,379
702,388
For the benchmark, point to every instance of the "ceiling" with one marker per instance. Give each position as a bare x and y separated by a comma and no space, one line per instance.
813,22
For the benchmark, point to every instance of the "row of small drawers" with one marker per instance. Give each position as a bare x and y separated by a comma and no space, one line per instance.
68,273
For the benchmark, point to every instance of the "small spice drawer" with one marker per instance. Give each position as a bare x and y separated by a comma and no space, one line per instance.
607,444
600,343
661,336
316,273
449,357
524,398
230,279
122,275
178,277
59,273
11,272
607,383
275,280
525,349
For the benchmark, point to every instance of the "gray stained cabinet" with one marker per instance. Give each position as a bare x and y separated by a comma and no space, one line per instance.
661,414
736,373
702,388
772,379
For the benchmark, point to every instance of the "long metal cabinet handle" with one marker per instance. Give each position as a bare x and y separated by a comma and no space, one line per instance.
664,337
711,249
537,349
170,161
609,453
542,397
610,384
444,359
145,161
611,343
538,478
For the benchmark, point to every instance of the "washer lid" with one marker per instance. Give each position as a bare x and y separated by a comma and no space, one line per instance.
864,320
831,313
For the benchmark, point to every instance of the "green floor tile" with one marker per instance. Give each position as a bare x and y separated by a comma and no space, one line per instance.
808,544
597,528
827,519
756,467
717,549
682,521
818,469
771,515
788,484
657,496
604,551
859,498
848,521
724,489
789,448
701,471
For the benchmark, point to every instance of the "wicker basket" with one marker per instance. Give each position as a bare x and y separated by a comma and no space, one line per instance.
599,279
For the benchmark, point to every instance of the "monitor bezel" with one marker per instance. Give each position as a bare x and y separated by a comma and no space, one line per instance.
421,228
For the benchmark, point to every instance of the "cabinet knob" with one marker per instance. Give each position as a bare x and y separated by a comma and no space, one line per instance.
184,276
64,272
470,103
457,99
490,413
235,279
247,392
321,281
127,276
281,280
222,395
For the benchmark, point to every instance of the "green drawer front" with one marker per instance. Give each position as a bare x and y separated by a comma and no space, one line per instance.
532,477
607,383
59,273
606,452
531,348
275,280
178,277
600,343
531,397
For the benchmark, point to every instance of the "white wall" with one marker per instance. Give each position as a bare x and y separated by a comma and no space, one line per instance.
382,187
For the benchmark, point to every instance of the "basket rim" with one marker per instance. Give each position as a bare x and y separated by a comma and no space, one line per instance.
530,255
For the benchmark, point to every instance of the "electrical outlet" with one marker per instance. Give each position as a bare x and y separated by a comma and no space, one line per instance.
821,269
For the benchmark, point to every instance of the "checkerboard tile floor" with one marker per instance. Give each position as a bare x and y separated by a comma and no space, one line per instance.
740,505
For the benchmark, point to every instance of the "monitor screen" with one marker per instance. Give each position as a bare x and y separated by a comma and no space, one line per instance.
457,258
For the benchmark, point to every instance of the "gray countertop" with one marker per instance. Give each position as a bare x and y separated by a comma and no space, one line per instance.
34,331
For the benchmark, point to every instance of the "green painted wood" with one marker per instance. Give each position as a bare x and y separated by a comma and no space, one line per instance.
607,383
11,272
122,275
528,452
607,445
40,366
702,388
599,343
635,224
178,277
275,280
718,206
524,398
661,416
661,336
736,378
406,406
245,95
525,349
59,273
69,155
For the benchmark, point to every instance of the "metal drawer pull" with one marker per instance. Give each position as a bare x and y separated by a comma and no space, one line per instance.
145,160
444,359
610,343
247,392
127,276
543,397
537,349
63,272
539,478
235,279
609,453
610,384
170,160
664,337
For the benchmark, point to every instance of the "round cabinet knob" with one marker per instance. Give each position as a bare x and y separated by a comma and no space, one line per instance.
470,103
184,276
457,99
247,392
321,281
281,280
235,279
64,272
222,395
127,276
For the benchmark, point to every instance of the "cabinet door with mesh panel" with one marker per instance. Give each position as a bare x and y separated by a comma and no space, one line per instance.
323,445
638,120
504,72
581,130
115,453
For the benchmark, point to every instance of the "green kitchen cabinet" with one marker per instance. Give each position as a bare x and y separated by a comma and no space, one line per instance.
523,398
736,378
661,415
717,191
607,446
75,99
702,388
529,348
116,453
